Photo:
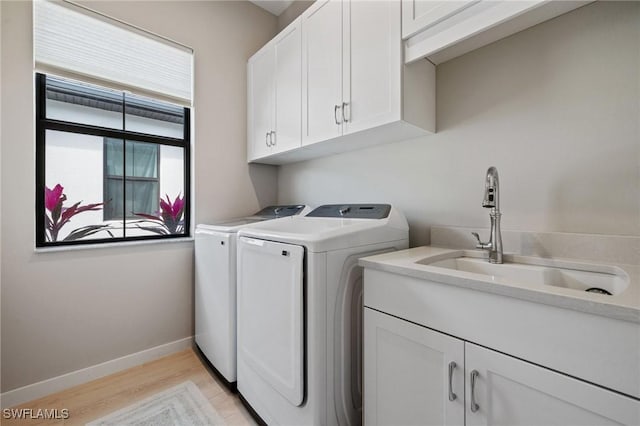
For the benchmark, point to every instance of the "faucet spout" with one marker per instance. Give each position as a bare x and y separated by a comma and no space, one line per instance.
491,190
491,201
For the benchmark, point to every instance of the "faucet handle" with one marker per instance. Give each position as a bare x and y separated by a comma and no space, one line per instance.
480,244
475,234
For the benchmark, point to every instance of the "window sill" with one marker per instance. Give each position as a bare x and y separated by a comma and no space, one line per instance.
112,245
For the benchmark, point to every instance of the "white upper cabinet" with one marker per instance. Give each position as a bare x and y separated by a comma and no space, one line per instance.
353,77
353,63
288,89
442,30
353,67
349,74
322,73
355,90
372,58
260,102
274,92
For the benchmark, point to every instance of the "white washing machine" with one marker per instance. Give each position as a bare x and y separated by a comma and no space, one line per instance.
215,286
300,311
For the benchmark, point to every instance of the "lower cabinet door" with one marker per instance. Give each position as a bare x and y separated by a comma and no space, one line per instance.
407,375
502,390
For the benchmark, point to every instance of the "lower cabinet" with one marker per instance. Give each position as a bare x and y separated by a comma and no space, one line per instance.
417,376
406,374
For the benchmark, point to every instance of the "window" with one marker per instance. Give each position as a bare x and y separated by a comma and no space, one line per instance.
111,166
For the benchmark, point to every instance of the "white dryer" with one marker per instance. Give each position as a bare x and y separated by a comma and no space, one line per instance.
300,311
215,286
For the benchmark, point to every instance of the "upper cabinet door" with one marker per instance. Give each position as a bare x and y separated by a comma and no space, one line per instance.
260,94
509,391
322,71
288,89
373,64
409,375
420,14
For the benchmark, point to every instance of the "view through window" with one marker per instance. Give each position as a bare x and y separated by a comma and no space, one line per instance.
111,166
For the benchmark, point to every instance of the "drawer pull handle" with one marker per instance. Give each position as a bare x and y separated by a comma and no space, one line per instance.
344,107
452,366
474,404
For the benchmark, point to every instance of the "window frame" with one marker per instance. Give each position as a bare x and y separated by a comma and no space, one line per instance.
42,124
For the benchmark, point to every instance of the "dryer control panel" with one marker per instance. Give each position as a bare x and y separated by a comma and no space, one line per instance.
273,212
352,211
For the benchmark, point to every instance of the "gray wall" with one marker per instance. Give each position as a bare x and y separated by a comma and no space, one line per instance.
554,107
292,12
68,310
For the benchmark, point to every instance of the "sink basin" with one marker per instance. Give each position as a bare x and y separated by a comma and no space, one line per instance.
537,272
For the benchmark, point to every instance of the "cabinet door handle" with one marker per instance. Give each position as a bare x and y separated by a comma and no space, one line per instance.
344,116
273,137
335,114
474,405
266,139
452,366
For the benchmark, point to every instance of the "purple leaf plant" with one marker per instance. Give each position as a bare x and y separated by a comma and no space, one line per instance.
169,220
56,215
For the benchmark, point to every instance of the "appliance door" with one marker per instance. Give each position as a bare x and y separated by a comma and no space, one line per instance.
215,299
270,314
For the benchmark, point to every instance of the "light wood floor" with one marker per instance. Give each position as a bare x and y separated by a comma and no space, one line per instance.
102,396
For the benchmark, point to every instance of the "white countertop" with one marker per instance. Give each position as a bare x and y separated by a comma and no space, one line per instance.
624,306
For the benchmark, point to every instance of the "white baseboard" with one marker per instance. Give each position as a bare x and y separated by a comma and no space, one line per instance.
78,377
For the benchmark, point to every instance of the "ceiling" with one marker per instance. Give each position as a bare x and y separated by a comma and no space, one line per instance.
276,7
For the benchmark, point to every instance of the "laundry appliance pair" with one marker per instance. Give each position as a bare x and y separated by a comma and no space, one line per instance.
215,286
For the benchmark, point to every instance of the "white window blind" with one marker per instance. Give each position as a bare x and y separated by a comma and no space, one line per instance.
69,38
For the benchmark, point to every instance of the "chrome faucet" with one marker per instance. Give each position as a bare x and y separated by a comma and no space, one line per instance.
492,201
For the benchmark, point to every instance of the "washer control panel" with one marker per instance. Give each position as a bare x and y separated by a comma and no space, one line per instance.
280,211
352,211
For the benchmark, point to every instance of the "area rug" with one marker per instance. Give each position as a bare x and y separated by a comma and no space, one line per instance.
182,405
